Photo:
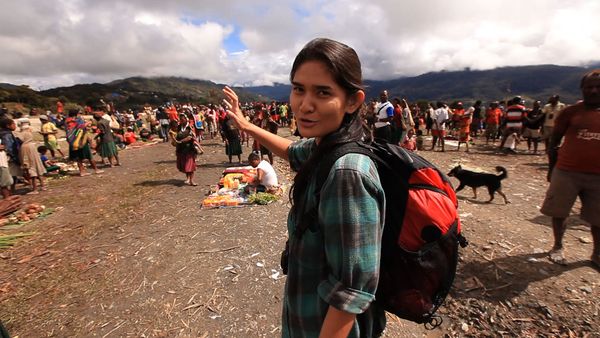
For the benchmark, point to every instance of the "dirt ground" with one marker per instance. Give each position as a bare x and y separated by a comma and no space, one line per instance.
132,254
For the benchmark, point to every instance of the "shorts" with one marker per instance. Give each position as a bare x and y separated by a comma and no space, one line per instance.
438,133
6,179
564,188
531,133
52,145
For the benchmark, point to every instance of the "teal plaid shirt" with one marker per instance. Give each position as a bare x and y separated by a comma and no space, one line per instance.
337,262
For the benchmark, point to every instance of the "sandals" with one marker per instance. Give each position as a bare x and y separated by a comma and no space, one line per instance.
557,257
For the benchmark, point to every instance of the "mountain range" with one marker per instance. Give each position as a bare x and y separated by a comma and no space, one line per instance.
531,82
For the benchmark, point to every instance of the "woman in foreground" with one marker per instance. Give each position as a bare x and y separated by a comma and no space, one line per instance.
333,266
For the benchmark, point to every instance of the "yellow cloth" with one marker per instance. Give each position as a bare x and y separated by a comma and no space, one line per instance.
50,128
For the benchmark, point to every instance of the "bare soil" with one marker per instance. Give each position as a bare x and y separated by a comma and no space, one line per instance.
132,254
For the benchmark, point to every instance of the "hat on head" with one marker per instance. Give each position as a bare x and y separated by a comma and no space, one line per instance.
44,117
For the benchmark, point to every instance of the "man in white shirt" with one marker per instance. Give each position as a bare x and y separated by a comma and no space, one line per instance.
266,178
384,112
438,129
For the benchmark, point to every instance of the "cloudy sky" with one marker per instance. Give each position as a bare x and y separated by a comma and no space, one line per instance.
249,42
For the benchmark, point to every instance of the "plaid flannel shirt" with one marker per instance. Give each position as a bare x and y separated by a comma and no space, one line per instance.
336,262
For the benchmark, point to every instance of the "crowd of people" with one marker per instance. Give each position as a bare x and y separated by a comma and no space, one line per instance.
104,130
510,122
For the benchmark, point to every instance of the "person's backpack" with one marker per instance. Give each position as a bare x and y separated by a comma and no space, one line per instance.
421,232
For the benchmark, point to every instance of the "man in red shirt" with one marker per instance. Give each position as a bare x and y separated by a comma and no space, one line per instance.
575,167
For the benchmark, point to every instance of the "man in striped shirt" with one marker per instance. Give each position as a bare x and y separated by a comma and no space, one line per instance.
514,117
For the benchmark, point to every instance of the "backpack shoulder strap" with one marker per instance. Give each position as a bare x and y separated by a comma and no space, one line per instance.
311,216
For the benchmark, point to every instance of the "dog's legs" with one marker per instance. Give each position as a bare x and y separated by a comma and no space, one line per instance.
474,192
460,187
506,201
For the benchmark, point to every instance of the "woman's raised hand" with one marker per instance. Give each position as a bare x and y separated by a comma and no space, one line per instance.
233,109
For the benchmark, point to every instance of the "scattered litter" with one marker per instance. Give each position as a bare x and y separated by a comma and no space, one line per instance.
532,260
254,255
259,264
586,289
275,275
585,240
228,267
465,215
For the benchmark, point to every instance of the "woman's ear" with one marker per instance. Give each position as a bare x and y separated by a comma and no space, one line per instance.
355,101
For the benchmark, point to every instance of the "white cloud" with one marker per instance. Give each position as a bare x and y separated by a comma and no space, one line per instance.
51,43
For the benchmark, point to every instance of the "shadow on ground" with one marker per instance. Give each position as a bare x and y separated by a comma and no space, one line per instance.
172,181
505,277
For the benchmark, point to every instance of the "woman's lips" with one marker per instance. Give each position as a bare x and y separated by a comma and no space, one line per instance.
307,123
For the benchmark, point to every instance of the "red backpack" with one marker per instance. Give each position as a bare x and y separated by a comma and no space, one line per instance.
421,231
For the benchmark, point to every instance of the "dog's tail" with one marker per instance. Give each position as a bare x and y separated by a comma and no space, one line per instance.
503,171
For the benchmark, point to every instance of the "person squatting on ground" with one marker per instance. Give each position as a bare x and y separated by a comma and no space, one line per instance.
266,177
575,167
335,273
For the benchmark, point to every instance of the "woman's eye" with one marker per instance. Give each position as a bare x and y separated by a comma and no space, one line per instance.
323,93
298,89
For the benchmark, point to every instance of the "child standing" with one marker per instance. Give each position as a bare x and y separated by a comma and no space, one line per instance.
49,132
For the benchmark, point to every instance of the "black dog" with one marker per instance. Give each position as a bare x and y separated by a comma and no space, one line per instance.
474,180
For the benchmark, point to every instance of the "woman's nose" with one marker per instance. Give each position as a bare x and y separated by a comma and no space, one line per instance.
307,104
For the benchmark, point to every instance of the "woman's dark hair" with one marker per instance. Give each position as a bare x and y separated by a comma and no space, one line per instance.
42,149
344,66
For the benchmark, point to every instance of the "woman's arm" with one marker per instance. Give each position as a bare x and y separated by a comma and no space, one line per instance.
277,144
337,323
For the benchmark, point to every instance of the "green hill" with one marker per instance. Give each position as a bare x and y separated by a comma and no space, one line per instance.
137,91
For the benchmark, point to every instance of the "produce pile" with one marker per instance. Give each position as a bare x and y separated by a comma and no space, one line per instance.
233,190
23,215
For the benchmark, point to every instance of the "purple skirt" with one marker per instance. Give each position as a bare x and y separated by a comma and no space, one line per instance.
186,163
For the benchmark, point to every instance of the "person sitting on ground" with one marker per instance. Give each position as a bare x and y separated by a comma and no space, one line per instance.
48,164
420,140
266,178
409,142
129,137
145,134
